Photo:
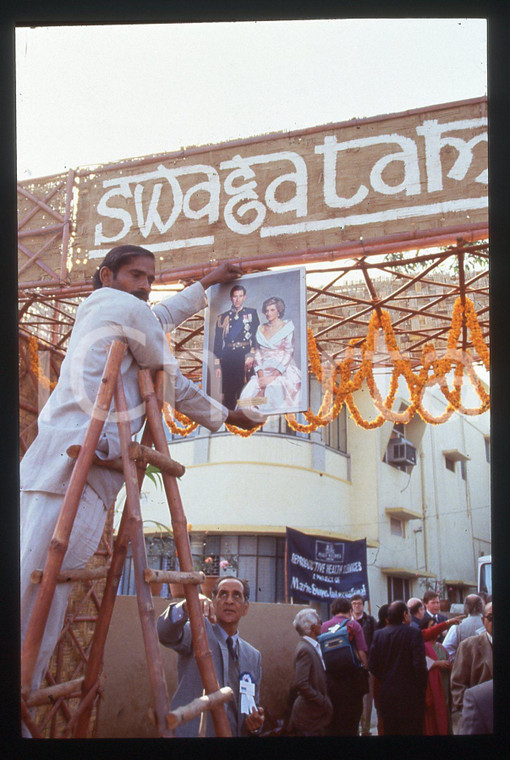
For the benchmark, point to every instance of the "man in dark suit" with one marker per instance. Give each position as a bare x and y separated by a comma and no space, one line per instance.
234,339
234,659
312,708
397,659
432,607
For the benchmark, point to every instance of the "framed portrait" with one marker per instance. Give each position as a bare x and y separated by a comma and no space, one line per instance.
255,348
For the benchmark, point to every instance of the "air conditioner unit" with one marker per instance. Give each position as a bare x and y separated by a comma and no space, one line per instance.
401,451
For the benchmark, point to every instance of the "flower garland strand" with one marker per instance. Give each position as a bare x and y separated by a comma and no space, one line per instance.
33,353
340,383
170,415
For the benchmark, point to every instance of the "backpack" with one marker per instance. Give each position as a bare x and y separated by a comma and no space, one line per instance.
340,655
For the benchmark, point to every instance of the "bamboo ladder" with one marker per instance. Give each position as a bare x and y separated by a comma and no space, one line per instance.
133,462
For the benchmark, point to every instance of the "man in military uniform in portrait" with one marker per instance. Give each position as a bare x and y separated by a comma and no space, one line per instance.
234,339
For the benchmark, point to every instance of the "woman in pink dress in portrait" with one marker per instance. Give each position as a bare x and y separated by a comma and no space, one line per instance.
276,383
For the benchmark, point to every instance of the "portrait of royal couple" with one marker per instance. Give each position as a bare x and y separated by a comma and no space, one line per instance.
254,349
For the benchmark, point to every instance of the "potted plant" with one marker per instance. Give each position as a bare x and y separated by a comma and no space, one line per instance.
226,566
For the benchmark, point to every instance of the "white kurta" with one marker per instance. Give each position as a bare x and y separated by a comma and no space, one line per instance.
283,394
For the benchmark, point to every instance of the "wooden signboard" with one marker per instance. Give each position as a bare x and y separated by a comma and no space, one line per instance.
391,175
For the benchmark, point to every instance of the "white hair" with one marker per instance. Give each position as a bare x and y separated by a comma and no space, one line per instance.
304,620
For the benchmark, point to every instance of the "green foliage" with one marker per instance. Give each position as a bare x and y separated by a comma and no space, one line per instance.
155,475
450,266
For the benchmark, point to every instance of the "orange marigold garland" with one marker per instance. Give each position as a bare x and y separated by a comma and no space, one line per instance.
240,431
33,352
170,415
314,356
340,383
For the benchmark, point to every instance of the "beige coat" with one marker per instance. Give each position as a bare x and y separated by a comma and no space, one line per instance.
473,665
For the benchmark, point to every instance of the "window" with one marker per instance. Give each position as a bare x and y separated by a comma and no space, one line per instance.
449,463
335,434
160,556
398,588
260,561
397,527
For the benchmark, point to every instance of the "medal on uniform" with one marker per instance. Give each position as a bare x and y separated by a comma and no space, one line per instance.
247,693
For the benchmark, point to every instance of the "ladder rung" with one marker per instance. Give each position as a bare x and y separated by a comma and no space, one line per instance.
146,455
197,706
111,464
80,574
172,576
52,693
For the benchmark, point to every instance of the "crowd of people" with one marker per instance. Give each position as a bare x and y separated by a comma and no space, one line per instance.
347,664
420,685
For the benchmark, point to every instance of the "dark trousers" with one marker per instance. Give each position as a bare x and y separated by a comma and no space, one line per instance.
410,725
232,373
347,705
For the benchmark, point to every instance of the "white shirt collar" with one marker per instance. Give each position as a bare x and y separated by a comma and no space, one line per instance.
316,646
224,635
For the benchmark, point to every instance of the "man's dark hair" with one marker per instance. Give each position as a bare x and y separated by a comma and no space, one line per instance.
246,587
396,612
237,287
382,615
428,595
117,258
341,605
415,608
358,597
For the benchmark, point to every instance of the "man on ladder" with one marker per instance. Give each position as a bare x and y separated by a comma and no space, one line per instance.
117,309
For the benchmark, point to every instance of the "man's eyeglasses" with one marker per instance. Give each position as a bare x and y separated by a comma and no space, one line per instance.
489,617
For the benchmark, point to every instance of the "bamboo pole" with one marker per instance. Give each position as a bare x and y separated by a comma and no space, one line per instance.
60,538
111,464
85,705
29,722
146,455
143,592
52,693
106,609
80,574
172,576
201,648
198,706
